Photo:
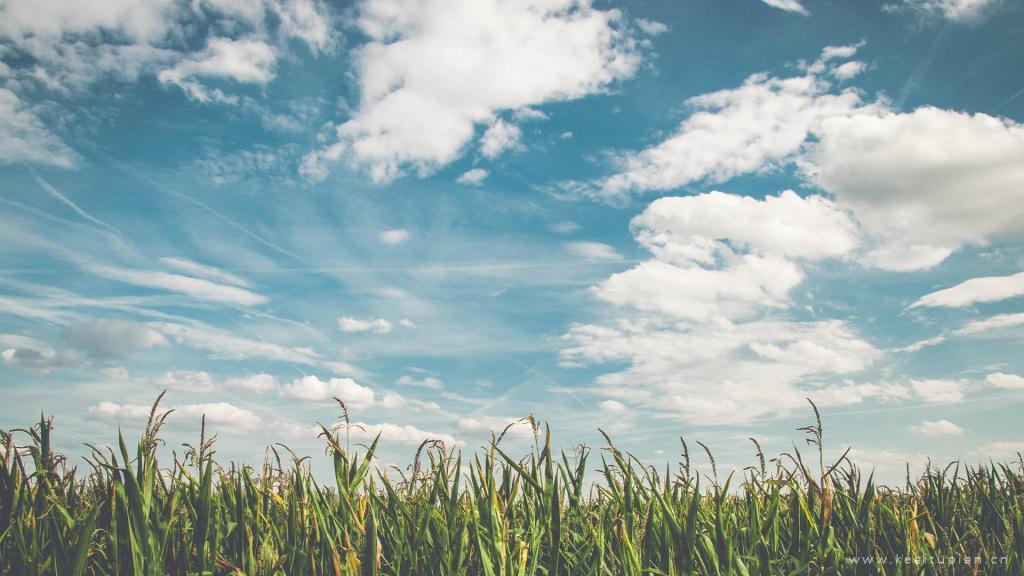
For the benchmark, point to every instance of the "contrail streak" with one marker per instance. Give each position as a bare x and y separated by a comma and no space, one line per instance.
77,209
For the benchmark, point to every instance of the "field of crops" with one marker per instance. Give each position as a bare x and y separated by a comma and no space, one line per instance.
494,513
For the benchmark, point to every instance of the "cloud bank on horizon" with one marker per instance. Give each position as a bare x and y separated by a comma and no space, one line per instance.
452,215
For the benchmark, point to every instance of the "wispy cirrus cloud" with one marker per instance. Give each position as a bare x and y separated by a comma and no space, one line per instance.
974,291
788,5
201,289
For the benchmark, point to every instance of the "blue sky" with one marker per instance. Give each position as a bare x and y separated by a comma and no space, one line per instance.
662,219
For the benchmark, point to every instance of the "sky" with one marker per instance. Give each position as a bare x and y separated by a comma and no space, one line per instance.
660,219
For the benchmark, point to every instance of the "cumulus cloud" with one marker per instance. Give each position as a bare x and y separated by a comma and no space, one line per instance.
920,184
688,331
400,434
52,19
186,381
1003,380
924,183
434,70
309,21
613,407
37,358
499,137
940,390
974,291
313,389
67,46
115,410
245,61
935,428
848,70
755,127
375,325
228,417
595,251
723,372
722,255
111,338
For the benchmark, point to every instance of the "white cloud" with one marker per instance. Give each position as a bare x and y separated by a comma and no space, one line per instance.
375,325
964,11
517,427
613,407
430,382
685,335
756,127
395,236
695,228
924,183
245,61
186,381
38,358
313,389
19,341
52,19
934,428
253,382
788,5
399,434
24,137
702,294
848,70
1001,451
721,372
651,27
115,410
204,271
991,324
974,291
309,21
595,251
473,176
232,418
434,69
721,255
921,184
110,338
499,137
941,391
1003,380
198,288
997,326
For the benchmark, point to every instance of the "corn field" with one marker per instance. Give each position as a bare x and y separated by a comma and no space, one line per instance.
494,513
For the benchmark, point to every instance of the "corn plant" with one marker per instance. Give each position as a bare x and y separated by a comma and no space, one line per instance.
493,513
